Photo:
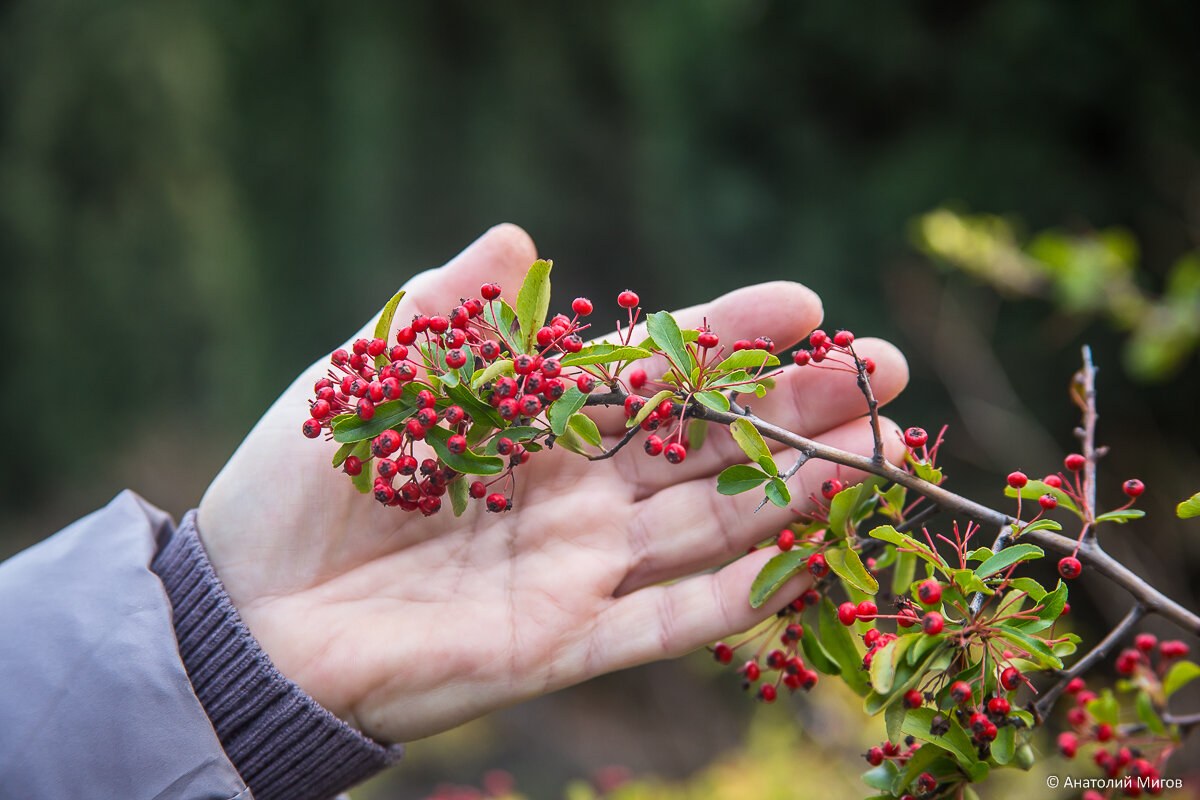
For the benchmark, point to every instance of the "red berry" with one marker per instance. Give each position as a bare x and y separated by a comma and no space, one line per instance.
1068,744
1053,481
801,357
1017,480
496,502
407,464
455,358
875,756
633,405
457,444
477,490
585,383
571,343
810,597
1133,487
871,637
508,409
414,430
490,291
998,706
627,299
1048,501
767,693
1069,567
866,611
530,405
653,445
420,323
847,612
818,338
913,699
545,336
792,633
582,306
1127,661
1104,732
926,783
869,365
933,623
930,592
675,453
1010,678
1173,648
1145,642
707,340
818,567
352,465
843,338
960,692
915,437
1074,462
722,652
831,487
906,618
551,367
764,343
785,540
637,378
365,409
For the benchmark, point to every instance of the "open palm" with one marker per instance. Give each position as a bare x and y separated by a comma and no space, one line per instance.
406,626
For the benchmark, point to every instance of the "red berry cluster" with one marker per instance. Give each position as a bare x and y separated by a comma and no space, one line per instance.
784,660
1119,752
836,352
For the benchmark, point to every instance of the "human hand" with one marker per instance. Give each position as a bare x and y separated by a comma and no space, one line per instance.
406,626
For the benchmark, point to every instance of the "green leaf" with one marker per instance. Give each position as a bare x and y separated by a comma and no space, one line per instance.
343,453
459,491
748,359
563,408
968,582
1122,516
666,334
569,441
362,450
893,719
468,462
1040,652
384,326
749,439
363,481
697,432
582,424
500,315
903,572
839,644
389,414
477,433
777,492
604,353
1035,489
714,400
880,778
740,478
956,740
1038,525
478,410
816,656
935,760
1005,744
924,471
775,573
1029,586
889,534
501,366
1105,708
840,509
849,567
1010,555
883,664
1147,714
533,301
1052,605
648,407
1181,674
1189,508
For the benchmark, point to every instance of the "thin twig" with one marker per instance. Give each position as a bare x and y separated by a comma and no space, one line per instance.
1087,438
1003,540
616,448
864,386
1101,651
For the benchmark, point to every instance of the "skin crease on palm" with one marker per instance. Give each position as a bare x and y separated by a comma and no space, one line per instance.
406,626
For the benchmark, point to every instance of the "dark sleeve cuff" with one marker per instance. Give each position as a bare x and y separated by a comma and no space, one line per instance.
282,742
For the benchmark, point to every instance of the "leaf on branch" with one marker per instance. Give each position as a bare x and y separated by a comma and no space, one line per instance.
1038,525
466,462
1147,714
752,444
500,316
849,567
501,366
839,644
740,478
1122,516
697,432
924,470
603,353
777,491
1007,557
714,400
1181,674
563,408
776,572
890,535
475,408
352,428
748,359
648,407
666,334
585,428
384,326
1189,508
918,722
458,491
533,301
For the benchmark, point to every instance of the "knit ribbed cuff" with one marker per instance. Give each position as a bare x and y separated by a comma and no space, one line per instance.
282,742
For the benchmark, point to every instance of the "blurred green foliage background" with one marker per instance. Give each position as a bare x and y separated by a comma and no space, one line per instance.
196,200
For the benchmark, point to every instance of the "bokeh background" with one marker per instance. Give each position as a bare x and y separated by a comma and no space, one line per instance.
196,200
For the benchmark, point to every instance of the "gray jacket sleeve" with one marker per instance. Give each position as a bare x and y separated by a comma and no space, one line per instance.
126,672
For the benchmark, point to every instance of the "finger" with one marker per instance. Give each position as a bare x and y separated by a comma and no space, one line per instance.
806,400
668,621
782,310
501,255
690,527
